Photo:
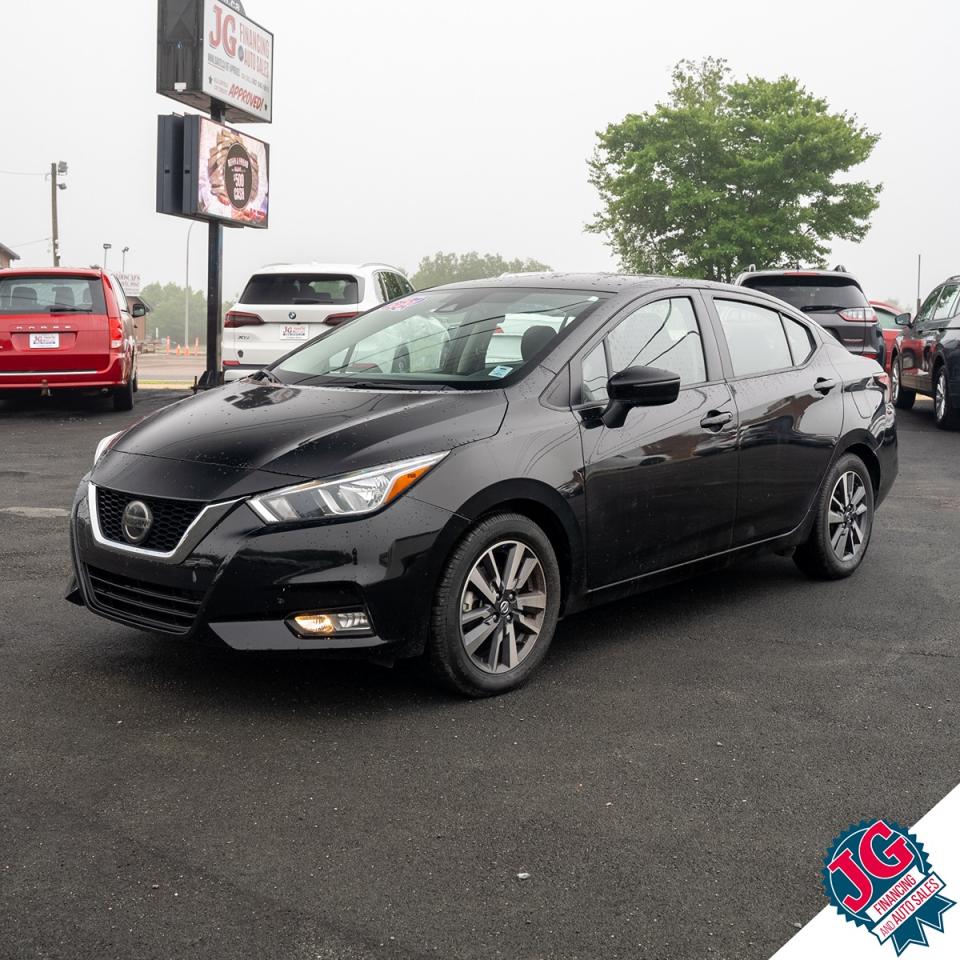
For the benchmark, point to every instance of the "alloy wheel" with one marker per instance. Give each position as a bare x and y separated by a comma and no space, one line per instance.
895,382
845,521
940,397
502,606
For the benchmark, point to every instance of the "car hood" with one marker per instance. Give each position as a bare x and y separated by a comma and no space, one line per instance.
251,436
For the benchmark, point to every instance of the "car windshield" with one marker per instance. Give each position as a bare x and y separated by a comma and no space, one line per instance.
813,293
51,294
286,289
465,338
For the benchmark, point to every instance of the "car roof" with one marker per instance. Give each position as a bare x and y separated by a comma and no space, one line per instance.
52,272
886,306
314,266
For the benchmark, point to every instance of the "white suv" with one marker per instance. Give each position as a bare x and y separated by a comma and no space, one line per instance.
286,304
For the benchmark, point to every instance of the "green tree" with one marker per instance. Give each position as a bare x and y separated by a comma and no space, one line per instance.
166,315
730,173
450,267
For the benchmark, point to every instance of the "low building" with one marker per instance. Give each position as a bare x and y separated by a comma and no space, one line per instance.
7,256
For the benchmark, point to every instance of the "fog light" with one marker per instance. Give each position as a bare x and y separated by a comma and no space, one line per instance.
330,624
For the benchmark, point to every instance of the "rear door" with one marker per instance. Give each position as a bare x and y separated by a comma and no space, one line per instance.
790,410
279,311
52,324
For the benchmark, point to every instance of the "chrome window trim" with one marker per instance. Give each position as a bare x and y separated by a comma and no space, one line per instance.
201,525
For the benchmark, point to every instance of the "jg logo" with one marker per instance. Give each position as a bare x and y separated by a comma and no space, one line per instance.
877,875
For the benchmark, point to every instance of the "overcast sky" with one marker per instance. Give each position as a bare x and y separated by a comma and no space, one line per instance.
404,128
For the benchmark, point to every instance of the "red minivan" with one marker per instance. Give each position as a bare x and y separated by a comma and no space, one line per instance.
63,328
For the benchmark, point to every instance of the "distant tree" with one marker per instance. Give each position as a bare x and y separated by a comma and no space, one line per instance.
166,303
448,267
730,173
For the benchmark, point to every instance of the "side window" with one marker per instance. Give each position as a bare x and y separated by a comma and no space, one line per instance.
926,310
948,295
661,334
119,294
801,342
382,294
595,375
403,285
755,337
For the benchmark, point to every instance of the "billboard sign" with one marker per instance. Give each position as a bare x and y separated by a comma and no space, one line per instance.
237,67
130,283
211,55
226,174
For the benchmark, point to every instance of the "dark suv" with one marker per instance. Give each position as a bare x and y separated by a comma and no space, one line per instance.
833,298
926,357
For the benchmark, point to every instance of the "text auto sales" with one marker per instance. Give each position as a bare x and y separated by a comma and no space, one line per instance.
254,47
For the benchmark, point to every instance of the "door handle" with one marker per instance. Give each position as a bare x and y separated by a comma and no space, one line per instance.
716,419
824,386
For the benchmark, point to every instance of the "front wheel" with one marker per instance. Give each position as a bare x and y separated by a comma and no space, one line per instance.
943,412
843,522
900,396
495,608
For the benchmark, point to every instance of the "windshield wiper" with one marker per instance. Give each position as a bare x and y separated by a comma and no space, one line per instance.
265,374
71,310
822,308
323,380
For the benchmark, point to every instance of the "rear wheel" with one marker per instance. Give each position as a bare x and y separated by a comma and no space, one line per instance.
123,396
900,396
842,523
943,412
495,608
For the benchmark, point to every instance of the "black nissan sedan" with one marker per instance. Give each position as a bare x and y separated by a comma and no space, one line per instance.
452,472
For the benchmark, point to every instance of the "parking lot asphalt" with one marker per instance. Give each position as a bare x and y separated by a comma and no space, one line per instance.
670,779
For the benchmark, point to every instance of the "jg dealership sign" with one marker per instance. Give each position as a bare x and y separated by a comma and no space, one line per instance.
237,60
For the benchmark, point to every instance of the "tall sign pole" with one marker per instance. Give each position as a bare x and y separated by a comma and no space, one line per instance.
53,214
211,376
214,58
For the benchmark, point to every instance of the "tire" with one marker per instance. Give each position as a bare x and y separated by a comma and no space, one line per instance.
901,397
468,589
123,396
944,415
849,486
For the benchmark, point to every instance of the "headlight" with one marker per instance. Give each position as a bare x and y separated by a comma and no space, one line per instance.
350,495
104,445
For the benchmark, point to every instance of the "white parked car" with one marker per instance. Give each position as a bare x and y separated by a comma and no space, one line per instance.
286,304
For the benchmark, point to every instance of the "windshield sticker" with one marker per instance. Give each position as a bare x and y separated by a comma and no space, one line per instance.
404,303
500,372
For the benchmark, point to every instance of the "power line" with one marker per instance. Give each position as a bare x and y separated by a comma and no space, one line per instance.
22,173
30,243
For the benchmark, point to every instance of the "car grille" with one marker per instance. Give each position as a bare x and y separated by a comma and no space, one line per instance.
170,609
170,518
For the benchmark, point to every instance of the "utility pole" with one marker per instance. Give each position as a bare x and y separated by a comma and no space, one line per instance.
53,209
917,311
186,289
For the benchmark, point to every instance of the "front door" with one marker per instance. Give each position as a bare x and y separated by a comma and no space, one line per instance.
790,411
661,489
919,344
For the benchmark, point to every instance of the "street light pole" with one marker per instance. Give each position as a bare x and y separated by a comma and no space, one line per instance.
53,214
186,290
123,260
106,247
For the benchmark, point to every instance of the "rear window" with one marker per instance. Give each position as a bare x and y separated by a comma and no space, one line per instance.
811,293
286,289
20,295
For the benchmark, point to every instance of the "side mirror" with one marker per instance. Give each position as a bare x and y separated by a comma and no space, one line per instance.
139,310
903,320
638,387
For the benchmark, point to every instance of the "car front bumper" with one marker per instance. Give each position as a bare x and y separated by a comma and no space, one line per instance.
244,579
